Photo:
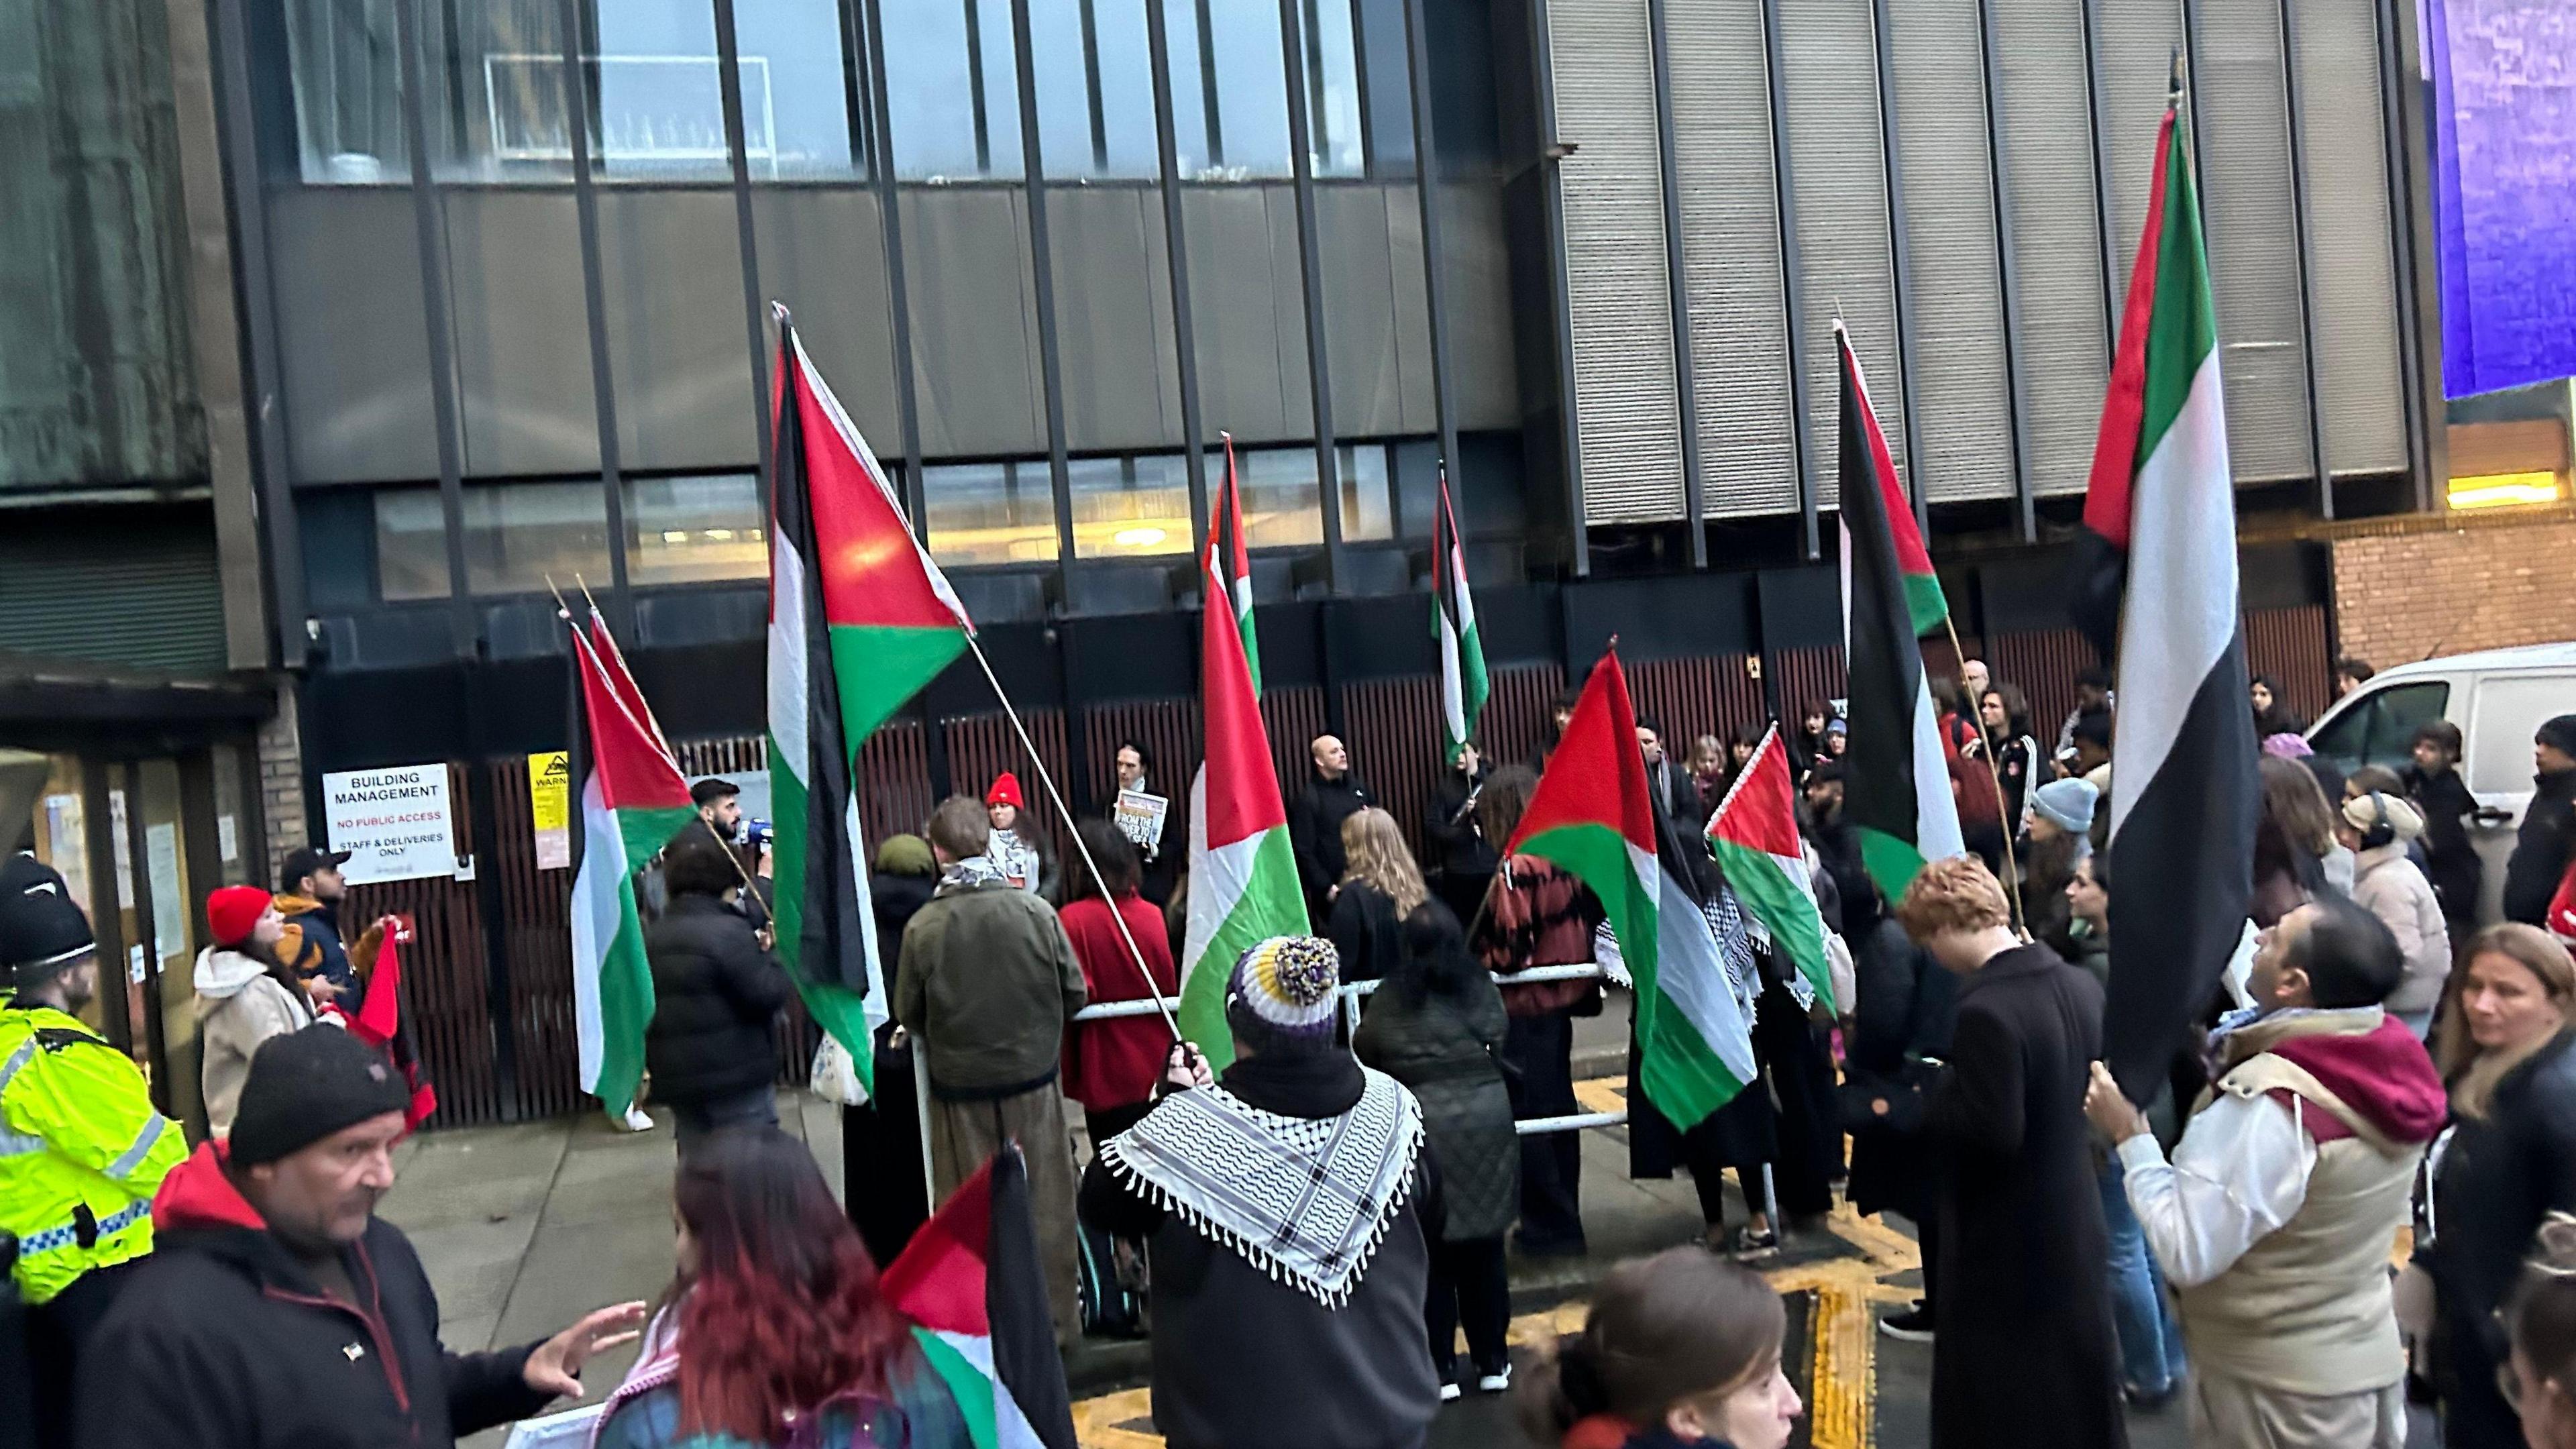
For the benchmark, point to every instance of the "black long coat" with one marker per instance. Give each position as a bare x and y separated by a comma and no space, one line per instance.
2025,1353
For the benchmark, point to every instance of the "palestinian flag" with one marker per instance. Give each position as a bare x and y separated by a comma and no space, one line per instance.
859,620
1453,627
622,680
379,1024
2161,508
1237,585
633,800
1591,815
971,1283
1896,789
1243,872
1754,836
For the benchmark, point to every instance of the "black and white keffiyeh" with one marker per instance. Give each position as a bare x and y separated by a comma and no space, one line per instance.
1306,1200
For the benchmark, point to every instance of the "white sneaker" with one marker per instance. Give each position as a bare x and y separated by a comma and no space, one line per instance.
1449,1393
1495,1383
636,1120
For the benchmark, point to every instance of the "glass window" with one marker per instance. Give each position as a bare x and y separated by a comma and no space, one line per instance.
1333,91
990,513
2379,729
1131,507
1232,65
695,530
952,88
1368,493
516,535
411,547
1388,68
1281,505
1095,82
655,110
58,826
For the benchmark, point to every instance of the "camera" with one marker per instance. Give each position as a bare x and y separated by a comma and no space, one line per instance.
758,833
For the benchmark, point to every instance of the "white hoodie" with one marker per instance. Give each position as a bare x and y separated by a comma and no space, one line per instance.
239,1006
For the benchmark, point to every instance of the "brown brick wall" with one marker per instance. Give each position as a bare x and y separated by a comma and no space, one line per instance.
2483,584
281,781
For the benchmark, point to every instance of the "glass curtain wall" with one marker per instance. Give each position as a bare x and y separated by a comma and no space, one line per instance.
655,114
497,108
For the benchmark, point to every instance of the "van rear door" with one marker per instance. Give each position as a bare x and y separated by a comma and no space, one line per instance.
2504,712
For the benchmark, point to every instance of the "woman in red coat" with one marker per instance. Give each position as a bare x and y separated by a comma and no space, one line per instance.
1110,1066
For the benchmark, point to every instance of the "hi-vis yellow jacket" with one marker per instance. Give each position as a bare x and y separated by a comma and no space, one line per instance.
81,1150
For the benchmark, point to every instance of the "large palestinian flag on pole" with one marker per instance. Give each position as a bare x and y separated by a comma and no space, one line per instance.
1453,628
1754,835
2162,511
971,1283
1243,872
859,620
1592,816
632,800
1896,780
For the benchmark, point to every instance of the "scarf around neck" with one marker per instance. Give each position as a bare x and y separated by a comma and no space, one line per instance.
1307,1200
967,874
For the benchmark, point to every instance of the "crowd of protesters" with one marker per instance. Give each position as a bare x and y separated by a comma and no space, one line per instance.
1343,1201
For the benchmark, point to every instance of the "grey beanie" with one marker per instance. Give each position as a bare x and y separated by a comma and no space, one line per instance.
2069,803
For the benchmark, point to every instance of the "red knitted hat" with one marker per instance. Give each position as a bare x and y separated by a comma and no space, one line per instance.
1005,791
232,911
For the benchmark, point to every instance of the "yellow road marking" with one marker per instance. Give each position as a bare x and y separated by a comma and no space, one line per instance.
1846,1336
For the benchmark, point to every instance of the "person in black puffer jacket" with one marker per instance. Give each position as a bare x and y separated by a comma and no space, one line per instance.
715,988
2547,840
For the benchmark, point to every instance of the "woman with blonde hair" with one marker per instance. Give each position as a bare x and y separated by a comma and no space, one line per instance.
1679,1348
1380,887
2507,1050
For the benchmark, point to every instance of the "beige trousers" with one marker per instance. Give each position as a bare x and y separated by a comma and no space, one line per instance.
2230,1413
965,1135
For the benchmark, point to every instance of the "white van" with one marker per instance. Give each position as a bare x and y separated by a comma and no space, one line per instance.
2497,697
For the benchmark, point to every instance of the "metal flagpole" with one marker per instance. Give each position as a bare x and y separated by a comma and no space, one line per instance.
1153,991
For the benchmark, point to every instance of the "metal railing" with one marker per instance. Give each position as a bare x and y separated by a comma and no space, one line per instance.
1351,993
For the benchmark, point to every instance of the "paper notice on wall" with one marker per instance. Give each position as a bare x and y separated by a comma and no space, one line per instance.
550,808
227,839
169,897
395,823
122,849
67,846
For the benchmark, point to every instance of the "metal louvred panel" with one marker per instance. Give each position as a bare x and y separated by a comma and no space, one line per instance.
2360,378
1962,402
2135,40
1627,415
2041,109
2253,233
1829,62
1730,208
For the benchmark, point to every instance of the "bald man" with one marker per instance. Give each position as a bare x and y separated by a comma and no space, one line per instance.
1332,794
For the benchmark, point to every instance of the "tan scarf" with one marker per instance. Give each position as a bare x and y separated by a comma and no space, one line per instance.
2475,1090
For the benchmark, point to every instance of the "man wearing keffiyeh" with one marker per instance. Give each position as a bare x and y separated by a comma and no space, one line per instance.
985,982
1283,1205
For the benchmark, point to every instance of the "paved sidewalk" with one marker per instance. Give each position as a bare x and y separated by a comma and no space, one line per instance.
525,1228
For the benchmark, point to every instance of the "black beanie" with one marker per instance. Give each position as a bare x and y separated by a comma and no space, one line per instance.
306,1085
2559,732
42,929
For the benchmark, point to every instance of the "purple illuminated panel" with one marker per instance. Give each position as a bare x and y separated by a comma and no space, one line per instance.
2504,105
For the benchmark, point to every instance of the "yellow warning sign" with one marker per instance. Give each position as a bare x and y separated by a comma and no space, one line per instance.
550,808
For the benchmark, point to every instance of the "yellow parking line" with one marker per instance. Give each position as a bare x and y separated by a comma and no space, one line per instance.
1845,1380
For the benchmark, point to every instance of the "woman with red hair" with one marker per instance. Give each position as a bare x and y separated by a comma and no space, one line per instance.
772,1332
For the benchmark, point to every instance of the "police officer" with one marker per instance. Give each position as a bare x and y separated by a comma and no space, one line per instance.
81,1149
